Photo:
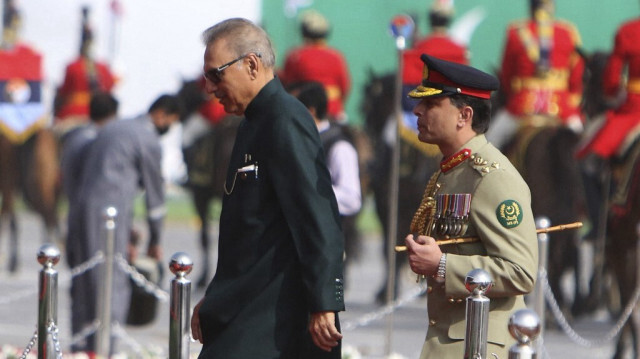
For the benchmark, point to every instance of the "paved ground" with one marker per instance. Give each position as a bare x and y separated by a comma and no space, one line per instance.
18,305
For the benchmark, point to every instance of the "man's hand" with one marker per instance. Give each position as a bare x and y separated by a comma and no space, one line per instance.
322,327
424,254
196,333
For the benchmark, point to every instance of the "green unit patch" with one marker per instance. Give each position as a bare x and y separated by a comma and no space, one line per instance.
509,213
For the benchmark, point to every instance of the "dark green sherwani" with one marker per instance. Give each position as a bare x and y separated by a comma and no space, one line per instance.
281,246
499,214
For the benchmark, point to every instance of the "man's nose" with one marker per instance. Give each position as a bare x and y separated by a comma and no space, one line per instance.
416,110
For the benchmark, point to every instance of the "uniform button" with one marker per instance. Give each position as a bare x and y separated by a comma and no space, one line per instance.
429,289
432,322
459,300
451,300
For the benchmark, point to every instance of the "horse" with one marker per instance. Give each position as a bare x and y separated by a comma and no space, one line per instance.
377,108
618,192
563,190
623,231
30,167
544,157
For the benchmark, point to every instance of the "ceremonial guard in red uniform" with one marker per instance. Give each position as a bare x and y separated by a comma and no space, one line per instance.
621,124
541,72
438,43
82,77
315,60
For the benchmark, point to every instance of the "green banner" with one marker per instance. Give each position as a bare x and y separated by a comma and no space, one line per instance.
360,29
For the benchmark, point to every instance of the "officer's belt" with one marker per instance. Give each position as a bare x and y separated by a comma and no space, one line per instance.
79,98
554,80
538,121
633,85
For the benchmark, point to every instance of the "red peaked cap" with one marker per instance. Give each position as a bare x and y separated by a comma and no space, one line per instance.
443,78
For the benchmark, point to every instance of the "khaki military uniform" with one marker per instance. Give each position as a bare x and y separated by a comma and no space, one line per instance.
480,195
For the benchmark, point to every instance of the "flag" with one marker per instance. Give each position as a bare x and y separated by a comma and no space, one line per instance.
21,108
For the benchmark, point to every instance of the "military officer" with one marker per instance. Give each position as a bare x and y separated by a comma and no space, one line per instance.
438,42
476,194
279,278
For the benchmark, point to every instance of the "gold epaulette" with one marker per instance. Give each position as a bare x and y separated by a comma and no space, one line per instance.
518,23
483,166
572,29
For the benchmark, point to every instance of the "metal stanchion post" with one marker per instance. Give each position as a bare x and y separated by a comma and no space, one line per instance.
179,319
401,28
538,292
103,339
524,326
478,282
48,256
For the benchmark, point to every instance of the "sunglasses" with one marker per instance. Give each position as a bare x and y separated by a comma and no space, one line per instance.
215,75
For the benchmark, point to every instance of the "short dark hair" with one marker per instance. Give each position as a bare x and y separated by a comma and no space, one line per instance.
102,106
168,103
311,94
481,110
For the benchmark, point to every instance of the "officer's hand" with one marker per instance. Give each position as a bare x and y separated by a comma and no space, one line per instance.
424,254
196,333
322,327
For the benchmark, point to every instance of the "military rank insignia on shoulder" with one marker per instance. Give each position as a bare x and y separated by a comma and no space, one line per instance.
483,166
509,213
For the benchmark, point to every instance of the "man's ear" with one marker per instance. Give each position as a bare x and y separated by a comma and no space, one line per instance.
254,64
466,115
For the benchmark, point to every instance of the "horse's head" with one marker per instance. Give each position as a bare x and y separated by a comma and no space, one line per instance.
594,102
377,101
192,96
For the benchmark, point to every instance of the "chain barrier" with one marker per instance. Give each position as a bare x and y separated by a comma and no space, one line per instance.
85,332
80,269
76,271
136,276
118,331
86,266
32,342
52,330
140,279
571,333
370,317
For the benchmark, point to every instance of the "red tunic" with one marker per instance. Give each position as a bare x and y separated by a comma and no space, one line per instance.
442,47
212,110
75,92
558,93
436,45
319,62
618,123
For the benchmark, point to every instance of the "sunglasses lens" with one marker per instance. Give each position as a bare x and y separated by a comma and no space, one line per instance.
213,76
